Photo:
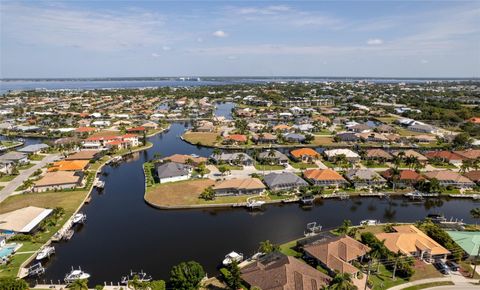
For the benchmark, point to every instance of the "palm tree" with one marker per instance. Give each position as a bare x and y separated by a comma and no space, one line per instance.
395,176
217,151
80,284
342,281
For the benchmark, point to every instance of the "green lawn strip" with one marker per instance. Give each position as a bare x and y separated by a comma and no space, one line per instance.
374,165
383,278
301,165
288,250
25,166
430,285
230,167
36,157
268,167
7,178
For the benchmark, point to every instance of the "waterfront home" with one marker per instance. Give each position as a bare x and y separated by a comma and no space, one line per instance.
273,157
334,154
101,123
410,241
384,129
186,159
449,178
347,137
282,128
85,155
264,138
137,130
472,154
172,171
373,137
237,158
360,128
25,220
277,271
473,175
468,241
337,253
422,128
15,157
304,127
284,181
235,139
204,126
423,138
405,178
58,180
255,127
112,141
306,155
324,177
378,154
69,165
411,153
34,148
294,137
446,156
238,186
83,131
364,178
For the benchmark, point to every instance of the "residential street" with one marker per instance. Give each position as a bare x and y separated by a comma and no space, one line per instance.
24,174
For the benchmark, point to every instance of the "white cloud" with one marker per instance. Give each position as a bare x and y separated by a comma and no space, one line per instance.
220,33
155,54
375,41
166,48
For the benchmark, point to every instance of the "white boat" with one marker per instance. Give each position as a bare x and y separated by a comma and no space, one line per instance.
45,253
255,203
312,229
79,218
76,275
99,183
232,256
141,277
369,222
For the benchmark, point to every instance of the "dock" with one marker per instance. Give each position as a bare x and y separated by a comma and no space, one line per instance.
373,194
341,195
473,196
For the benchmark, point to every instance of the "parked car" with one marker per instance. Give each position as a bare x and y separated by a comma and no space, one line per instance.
453,266
441,267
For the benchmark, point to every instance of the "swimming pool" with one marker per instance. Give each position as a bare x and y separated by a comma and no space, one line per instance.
7,250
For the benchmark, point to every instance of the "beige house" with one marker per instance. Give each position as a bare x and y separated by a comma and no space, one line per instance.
58,180
237,186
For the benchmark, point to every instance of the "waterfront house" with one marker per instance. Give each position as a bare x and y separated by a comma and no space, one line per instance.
378,154
468,241
172,171
423,138
304,127
85,155
473,175
306,155
373,137
294,138
236,139
69,165
186,159
34,148
238,186
336,254
410,241
324,177
282,128
238,158
411,153
58,180
364,178
15,157
25,220
449,178
347,137
421,128
6,166
277,271
405,178
264,138
446,156
333,155
472,154
284,181
273,157
384,129
360,128
137,130
204,126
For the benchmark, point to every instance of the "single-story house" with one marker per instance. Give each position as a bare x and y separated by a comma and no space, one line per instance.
410,241
273,157
24,220
472,154
450,178
264,138
58,180
378,154
468,241
422,128
238,186
233,158
172,171
6,166
347,137
294,137
284,181
33,149
15,157
473,175
411,153
307,155
324,177
236,139
279,272
365,177
69,165
337,253
85,155
446,156
405,178
333,154
186,159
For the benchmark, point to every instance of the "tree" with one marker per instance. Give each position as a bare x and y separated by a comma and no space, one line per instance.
232,277
11,283
223,169
186,275
267,247
79,284
475,213
201,169
309,138
208,194
344,229
342,281
217,152
156,285
461,140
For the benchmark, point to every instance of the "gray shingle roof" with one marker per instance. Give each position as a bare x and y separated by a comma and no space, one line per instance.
172,169
274,179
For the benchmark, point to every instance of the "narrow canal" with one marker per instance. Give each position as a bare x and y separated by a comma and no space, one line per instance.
123,232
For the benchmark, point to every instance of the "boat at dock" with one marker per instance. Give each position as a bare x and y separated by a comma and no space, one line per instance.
68,235
232,257
75,274
100,184
253,204
36,270
114,160
140,276
307,200
46,252
312,229
79,218
369,222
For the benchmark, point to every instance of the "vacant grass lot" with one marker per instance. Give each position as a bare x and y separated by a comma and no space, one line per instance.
268,167
201,138
322,140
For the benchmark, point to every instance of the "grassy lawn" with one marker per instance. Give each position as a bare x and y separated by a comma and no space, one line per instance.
201,138
36,157
467,268
25,166
322,140
98,163
383,279
268,167
387,120
230,167
374,164
429,285
186,192
69,201
323,132
7,178
329,164
301,165
288,250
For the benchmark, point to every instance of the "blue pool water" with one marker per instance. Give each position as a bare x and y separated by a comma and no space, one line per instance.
7,250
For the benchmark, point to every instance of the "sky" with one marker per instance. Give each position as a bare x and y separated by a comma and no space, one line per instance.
42,39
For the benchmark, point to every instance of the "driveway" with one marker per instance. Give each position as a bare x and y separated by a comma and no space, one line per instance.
24,175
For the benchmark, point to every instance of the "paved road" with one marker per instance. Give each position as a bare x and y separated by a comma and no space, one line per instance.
24,174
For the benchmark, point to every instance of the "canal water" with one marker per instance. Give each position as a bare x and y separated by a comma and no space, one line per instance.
122,232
